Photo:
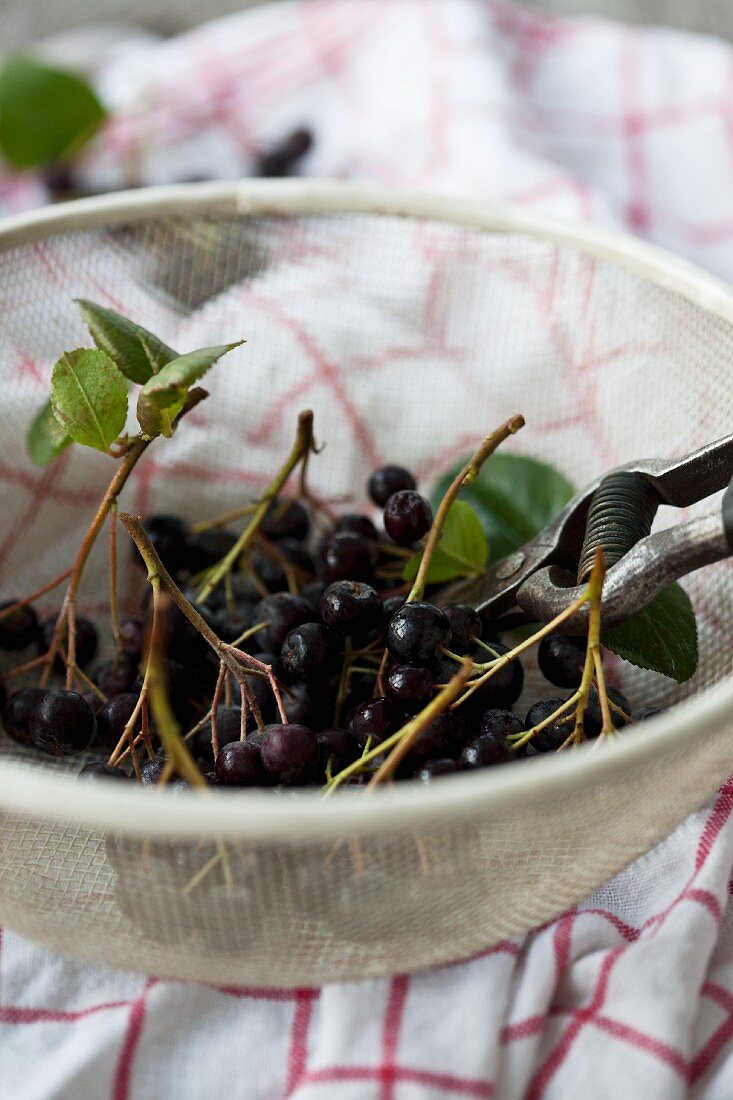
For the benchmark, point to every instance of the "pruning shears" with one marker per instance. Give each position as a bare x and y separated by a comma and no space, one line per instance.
616,511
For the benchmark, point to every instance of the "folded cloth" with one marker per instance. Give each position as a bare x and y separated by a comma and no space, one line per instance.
631,993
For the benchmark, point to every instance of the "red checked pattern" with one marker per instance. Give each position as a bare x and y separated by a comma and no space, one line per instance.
630,994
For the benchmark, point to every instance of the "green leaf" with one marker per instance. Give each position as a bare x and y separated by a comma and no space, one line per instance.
138,353
461,552
161,398
45,113
513,496
89,397
662,637
46,438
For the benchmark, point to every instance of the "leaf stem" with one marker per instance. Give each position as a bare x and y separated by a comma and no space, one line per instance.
300,450
464,477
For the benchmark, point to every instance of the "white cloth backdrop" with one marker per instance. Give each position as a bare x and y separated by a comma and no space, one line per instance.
630,995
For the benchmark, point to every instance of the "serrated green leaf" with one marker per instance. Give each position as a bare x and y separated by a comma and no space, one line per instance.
161,398
461,552
45,113
662,637
513,496
89,397
46,438
136,351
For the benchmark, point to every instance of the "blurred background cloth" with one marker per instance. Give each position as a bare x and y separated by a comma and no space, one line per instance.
630,995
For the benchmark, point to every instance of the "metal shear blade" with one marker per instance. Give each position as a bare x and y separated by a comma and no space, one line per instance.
540,578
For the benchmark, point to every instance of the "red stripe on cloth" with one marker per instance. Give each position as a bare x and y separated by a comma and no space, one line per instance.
720,1038
123,1072
305,1000
464,1086
17,1015
647,1043
265,993
391,1035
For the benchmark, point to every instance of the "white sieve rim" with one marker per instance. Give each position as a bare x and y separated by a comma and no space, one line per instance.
263,815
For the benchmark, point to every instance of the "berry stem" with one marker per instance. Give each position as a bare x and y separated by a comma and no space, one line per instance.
215,709
465,476
592,666
11,608
114,606
412,729
300,450
223,520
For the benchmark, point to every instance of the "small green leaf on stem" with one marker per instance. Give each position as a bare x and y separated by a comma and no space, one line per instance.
514,497
89,397
662,637
461,551
162,397
138,353
46,438
45,113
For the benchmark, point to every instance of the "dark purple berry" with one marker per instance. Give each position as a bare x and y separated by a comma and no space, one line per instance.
206,548
151,771
351,607
593,718
282,158
169,536
503,688
312,593
337,746
115,677
228,729
286,519
391,605
409,687
444,736
561,658
94,700
239,765
433,769
374,719
358,525
407,517
551,737
492,746
465,627
282,612
388,480
97,770
416,632
113,717
303,705
61,723
19,629
289,753
310,653
347,556
86,640
132,631
17,713
296,554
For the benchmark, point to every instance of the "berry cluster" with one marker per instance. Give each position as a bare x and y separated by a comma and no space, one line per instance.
351,657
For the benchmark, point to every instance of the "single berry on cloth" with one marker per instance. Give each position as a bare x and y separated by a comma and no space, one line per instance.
289,753
388,480
348,556
61,723
310,653
20,628
416,632
351,607
561,658
17,713
407,517
239,764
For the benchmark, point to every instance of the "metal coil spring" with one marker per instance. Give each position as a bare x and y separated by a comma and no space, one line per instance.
621,513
